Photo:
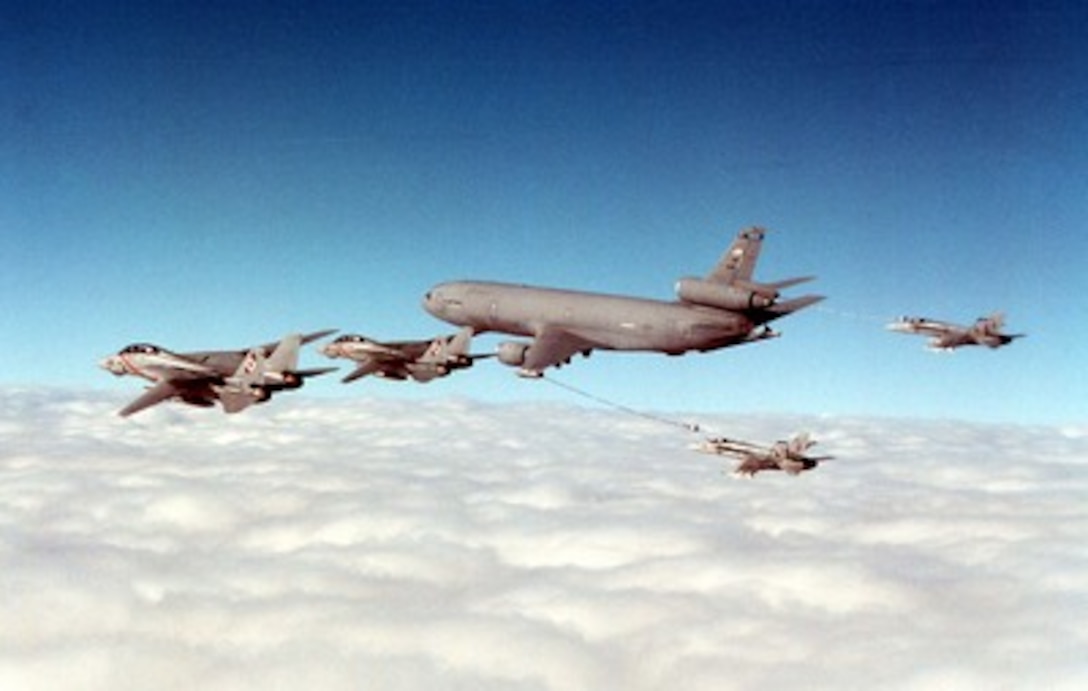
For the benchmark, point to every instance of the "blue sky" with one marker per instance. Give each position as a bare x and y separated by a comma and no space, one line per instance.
211,175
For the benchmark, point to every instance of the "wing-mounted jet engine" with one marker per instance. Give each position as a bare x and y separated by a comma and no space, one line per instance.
512,353
518,353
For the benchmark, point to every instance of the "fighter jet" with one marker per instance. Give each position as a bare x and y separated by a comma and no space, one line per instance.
945,336
419,360
235,378
782,455
725,308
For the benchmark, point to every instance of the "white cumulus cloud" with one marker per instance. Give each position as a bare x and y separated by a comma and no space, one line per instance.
370,544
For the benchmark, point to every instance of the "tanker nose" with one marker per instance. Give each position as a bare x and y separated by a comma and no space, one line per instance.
433,303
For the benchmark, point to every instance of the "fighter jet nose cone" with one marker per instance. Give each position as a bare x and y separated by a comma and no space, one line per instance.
112,365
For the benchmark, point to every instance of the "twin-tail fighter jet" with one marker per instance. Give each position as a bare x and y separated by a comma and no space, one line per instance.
946,336
788,456
727,307
235,378
400,360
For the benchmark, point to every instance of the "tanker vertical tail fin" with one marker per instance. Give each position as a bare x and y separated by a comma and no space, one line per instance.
739,261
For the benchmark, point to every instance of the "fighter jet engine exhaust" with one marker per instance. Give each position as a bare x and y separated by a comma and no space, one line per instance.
291,380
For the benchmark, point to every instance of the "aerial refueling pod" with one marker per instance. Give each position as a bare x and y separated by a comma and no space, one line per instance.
512,353
725,296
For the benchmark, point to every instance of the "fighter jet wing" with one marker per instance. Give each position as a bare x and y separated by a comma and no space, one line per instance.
553,347
366,367
751,465
733,447
944,336
308,338
315,371
929,327
228,360
404,351
156,394
940,329
401,354
303,340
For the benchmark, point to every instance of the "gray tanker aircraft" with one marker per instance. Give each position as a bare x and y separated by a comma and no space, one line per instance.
726,308
788,456
419,360
235,378
945,336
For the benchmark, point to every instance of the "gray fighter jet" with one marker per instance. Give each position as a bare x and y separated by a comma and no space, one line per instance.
235,378
419,360
725,308
788,456
945,336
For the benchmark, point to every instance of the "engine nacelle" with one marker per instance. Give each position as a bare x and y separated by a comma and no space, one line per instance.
512,353
722,296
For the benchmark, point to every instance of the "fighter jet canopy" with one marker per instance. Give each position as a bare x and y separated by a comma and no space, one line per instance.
145,348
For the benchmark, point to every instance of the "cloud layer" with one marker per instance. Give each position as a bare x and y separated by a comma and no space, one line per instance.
368,544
